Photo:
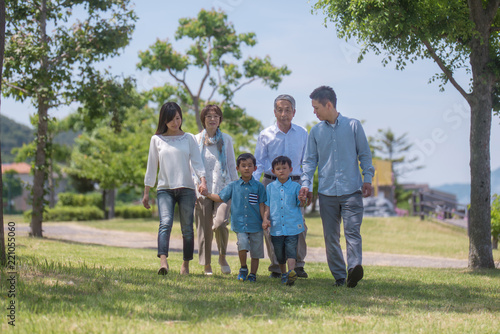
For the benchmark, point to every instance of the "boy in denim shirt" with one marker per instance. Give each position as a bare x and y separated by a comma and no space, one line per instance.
283,215
247,209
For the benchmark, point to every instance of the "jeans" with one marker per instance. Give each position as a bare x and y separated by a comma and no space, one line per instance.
285,247
186,199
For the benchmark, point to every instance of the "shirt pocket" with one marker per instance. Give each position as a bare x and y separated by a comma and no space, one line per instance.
253,199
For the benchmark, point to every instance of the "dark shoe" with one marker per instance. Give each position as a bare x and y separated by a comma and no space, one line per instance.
339,282
354,276
301,272
252,278
275,275
163,271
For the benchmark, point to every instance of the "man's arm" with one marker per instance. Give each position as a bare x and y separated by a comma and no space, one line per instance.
260,157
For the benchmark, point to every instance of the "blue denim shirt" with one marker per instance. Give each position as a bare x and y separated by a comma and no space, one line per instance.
335,149
245,204
283,202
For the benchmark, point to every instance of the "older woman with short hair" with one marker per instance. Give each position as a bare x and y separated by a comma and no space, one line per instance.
211,218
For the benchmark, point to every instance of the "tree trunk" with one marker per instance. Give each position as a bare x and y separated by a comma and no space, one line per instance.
52,188
3,258
480,101
111,203
41,140
40,170
494,243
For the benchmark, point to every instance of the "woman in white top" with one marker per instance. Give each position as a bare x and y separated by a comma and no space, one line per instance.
175,152
212,218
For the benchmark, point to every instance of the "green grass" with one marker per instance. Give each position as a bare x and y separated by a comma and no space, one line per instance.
71,288
395,235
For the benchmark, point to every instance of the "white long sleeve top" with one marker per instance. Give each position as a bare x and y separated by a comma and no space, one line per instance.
175,155
215,181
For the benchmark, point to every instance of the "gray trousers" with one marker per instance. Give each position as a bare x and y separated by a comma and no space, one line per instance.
301,245
350,209
211,218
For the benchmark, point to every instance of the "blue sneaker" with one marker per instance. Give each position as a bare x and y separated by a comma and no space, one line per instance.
284,278
252,278
292,276
242,276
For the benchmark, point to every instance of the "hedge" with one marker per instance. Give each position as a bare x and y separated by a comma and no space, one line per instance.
70,213
132,211
80,200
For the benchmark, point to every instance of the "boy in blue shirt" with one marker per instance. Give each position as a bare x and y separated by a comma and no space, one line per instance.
247,209
284,217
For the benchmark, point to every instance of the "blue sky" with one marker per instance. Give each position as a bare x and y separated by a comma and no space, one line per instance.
437,123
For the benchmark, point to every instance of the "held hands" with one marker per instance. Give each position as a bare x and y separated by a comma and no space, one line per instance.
305,196
202,188
266,224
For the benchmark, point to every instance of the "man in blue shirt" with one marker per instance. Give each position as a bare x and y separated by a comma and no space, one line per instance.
335,145
247,209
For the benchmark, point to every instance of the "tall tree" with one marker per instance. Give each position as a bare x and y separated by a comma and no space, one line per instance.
393,148
47,54
3,258
458,35
215,53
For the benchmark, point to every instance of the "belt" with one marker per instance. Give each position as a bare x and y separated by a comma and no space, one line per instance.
272,177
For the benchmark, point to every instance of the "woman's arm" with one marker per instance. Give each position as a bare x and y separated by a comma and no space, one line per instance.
145,198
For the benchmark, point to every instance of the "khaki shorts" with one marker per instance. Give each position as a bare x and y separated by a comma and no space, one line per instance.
252,242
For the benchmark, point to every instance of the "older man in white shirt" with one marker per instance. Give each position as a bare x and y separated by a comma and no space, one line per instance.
288,139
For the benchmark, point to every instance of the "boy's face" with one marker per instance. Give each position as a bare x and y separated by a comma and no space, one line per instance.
282,171
246,168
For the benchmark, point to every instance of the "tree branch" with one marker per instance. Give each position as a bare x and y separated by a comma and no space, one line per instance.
16,87
445,70
207,64
241,86
182,81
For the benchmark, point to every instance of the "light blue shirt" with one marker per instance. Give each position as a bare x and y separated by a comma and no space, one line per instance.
335,149
283,202
245,204
272,142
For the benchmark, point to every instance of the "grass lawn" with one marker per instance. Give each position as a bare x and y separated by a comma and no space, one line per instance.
395,235
64,287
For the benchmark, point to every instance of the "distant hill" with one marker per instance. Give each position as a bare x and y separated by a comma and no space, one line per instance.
462,190
13,134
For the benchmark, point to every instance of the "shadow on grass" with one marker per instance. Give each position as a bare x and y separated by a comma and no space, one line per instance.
53,289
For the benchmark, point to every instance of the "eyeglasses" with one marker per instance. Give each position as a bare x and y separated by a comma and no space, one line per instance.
212,116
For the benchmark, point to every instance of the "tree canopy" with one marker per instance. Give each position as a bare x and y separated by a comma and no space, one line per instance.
48,54
458,36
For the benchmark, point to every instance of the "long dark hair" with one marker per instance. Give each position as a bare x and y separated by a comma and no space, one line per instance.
167,113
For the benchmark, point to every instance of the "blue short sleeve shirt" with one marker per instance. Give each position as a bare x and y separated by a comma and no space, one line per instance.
283,202
245,204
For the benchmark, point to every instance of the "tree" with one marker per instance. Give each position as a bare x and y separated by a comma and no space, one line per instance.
12,187
48,66
3,257
394,148
458,36
215,45
112,159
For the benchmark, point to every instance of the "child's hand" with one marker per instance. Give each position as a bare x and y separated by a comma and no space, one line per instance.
266,224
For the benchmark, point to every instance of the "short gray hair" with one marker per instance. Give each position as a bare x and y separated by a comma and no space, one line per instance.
285,97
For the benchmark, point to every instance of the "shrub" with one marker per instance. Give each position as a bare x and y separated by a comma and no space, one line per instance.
70,213
132,211
79,200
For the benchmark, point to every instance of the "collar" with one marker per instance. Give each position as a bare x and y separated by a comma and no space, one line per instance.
242,182
276,129
286,184
337,121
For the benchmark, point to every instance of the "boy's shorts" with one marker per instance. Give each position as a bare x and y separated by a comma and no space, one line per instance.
285,247
252,242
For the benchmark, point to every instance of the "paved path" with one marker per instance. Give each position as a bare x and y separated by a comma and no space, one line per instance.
89,235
